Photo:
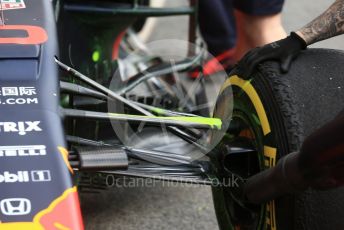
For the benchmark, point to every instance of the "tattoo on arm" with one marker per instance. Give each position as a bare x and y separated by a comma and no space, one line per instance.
327,25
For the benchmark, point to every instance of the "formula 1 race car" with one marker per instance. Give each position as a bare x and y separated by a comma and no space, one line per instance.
80,109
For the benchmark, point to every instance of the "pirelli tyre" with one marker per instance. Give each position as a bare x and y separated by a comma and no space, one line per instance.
272,113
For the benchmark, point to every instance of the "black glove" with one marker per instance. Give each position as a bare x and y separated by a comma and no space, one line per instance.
284,51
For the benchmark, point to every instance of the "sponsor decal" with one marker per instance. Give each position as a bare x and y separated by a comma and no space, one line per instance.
23,151
18,91
12,4
18,95
15,206
19,101
20,177
63,213
25,176
35,35
40,176
20,127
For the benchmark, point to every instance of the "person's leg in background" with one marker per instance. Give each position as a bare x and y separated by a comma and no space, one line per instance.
258,22
217,26
232,27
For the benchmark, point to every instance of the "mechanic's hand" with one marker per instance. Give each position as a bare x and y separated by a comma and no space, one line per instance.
284,51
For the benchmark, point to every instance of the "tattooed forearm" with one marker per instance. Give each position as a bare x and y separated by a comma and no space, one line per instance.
327,25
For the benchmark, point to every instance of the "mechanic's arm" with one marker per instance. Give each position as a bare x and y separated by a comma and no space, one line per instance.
319,165
327,25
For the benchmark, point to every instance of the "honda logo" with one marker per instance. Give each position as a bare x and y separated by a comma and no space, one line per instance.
15,207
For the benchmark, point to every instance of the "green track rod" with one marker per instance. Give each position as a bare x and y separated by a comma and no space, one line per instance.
187,122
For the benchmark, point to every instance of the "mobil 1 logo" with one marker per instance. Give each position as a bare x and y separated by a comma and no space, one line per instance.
23,95
8,177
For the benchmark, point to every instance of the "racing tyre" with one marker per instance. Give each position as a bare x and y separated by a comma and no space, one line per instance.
272,113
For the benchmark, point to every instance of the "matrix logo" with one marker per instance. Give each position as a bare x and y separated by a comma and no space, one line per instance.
20,127
25,176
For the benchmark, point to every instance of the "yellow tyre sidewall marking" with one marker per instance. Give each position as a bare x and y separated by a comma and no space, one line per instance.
269,152
247,87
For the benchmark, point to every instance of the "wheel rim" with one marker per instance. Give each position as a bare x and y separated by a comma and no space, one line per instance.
245,131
